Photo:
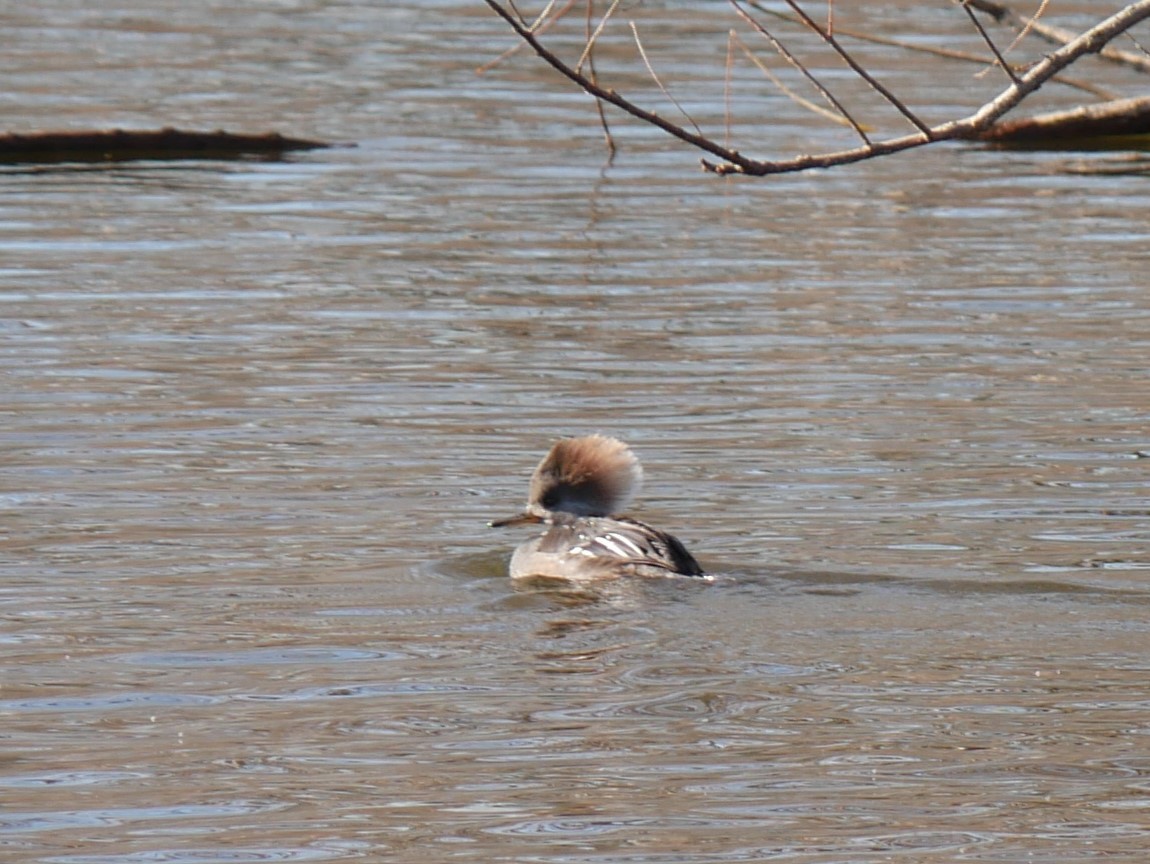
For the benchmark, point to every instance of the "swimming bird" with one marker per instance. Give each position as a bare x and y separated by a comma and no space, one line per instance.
576,493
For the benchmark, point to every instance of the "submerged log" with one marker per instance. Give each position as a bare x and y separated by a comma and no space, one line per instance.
1102,124
118,145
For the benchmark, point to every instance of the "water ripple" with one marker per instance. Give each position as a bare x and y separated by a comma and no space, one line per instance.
256,657
69,778
230,855
55,820
110,702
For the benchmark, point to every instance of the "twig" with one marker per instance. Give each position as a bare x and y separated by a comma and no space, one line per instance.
794,61
1090,42
606,126
999,59
729,69
542,16
829,38
1029,26
933,50
539,28
655,77
733,157
784,89
1138,45
590,46
518,14
1056,35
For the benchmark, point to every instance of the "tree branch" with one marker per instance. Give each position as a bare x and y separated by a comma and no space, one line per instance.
794,61
974,126
1006,67
936,51
1090,42
828,37
1055,35
732,157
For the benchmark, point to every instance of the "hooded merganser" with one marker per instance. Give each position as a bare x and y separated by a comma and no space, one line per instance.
575,492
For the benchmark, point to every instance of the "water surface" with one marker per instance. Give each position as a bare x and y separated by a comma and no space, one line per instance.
257,415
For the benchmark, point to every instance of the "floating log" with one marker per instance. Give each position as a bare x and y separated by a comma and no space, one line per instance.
1110,124
119,145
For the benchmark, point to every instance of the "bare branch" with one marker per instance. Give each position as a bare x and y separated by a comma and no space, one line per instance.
975,126
794,61
1029,26
515,9
829,38
783,88
539,27
658,83
731,37
1000,61
590,46
541,18
733,157
1090,42
606,126
1056,35
934,50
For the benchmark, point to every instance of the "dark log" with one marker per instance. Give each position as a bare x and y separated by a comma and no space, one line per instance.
118,145
1102,124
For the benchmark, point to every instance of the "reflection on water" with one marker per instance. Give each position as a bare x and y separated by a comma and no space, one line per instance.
258,415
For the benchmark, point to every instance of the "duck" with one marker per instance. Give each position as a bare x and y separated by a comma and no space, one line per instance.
577,493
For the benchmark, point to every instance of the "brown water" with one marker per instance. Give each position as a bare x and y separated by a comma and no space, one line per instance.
256,415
